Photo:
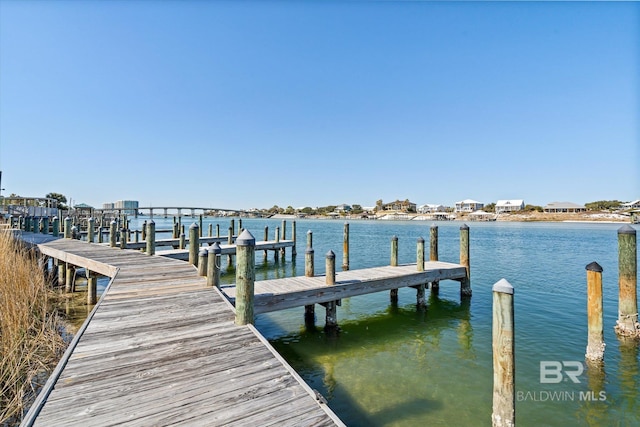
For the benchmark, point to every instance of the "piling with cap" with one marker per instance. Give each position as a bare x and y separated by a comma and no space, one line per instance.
67,228
595,337
503,345
627,324
393,293
91,223
113,238
202,262
245,277
56,226
331,317
151,238
420,290
345,247
194,244
465,284
213,265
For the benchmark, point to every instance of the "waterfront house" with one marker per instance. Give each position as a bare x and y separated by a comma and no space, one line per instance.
342,209
401,206
564,207
631,205
468,205
430,208
509,205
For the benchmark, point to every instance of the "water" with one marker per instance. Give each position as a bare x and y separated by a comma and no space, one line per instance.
395,365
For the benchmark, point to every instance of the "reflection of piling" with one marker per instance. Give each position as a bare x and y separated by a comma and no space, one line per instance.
595,344
393,294
465,284
504,412
245,277
627,324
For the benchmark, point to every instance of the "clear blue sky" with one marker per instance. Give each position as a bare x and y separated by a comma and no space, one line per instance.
241,104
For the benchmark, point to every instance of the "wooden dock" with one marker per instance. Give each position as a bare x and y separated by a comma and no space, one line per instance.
270,245
161,349
289,292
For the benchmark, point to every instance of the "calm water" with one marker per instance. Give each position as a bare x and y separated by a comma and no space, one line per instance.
394,365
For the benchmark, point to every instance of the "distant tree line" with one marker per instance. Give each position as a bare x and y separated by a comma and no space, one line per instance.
603,205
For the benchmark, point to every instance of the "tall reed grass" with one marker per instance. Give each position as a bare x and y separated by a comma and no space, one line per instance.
30,331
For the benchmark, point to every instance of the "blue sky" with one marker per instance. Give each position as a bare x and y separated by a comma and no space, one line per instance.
254,103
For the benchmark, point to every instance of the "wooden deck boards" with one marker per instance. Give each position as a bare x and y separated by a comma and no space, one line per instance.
279,294
162,349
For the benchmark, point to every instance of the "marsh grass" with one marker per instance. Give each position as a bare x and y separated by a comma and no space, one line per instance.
30,330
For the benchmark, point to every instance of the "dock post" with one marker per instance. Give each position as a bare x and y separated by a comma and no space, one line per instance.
331,317
200,225
309,271
240,229
123,238
275,252
283,236
245,277
465,284
232,226
294,251
202,262
45,225
137,236
144,230
182,241
112,233
217,230
175,230
266,237
393,293
92,287
62,268
345,247
67,228
595,337
420,297
504,412
213,265
69,278
151,238
210,230
56,227
91,229
230,242
433,254
194,244
627,324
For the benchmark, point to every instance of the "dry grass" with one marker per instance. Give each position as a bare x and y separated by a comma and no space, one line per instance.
30,340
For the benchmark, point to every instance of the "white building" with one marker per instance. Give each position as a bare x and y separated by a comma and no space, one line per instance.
631,205
468,205
430,208
509,205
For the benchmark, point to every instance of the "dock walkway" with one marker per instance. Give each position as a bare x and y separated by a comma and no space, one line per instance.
161,349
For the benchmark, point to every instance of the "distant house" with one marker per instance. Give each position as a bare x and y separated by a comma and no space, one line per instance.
429,208
402,206
342,208
564,207
509,205
468,205
631,205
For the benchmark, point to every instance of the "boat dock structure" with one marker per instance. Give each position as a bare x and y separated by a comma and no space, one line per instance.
166,344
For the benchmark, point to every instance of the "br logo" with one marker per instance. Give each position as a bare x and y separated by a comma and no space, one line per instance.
553,372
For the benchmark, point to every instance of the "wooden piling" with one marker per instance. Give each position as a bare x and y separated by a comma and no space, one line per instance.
465,284
345,247
245,277
91,224
92,287
151,238
62,268
201,230
230,242
275,252
182,241
266,237
69,276
420,291
202,262
331,316
504,412
67,228
112,233
627,324
144,231
595,337
123,238
309,271
213,265
210,230
294,251
194,243
283,236
56,226
393,293
175,232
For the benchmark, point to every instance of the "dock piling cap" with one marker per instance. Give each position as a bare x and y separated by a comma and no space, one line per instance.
215,248
594,266
626,229
245,239
503,286
194,225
